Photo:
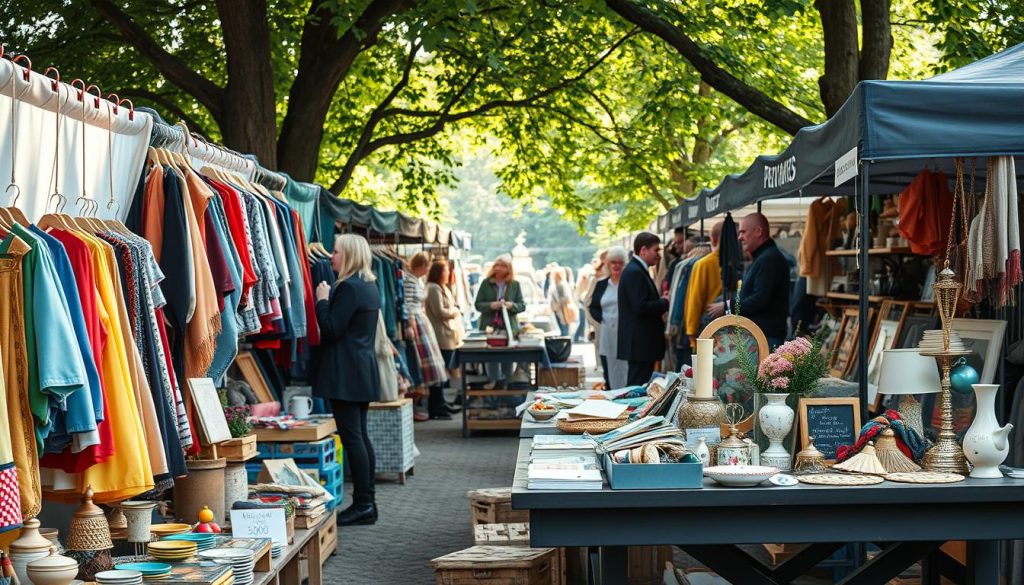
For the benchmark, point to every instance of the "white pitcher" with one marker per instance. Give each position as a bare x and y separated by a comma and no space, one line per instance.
300,406
985,444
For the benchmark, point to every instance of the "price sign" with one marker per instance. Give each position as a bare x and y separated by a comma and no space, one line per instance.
263,523
832,422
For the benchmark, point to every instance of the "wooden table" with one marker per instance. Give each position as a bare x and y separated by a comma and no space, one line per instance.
320,427
313,545
908,522
501,355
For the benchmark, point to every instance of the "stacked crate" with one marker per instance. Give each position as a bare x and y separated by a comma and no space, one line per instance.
320,459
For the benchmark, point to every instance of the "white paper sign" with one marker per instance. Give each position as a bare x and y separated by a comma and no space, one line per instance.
265,523
712,436
846,167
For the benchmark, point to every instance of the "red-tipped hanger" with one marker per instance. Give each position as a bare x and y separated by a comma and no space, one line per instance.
54,81
28,68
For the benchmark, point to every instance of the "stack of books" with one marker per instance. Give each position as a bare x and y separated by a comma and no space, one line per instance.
563,462
651,430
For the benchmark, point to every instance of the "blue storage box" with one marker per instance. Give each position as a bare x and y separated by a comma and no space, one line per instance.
321,452
266,450
653,476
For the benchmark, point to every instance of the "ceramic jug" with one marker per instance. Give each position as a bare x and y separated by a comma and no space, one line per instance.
985,444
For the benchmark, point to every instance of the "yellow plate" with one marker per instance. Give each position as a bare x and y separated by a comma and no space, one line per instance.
164,529
172,546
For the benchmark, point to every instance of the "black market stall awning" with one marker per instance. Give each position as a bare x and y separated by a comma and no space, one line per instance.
382,226
896,126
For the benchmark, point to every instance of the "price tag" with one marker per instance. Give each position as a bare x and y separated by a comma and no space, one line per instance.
265,523
712,436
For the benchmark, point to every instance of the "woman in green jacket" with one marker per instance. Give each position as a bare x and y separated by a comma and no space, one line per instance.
499,289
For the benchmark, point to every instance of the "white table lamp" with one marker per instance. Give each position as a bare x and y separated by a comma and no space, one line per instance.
906,372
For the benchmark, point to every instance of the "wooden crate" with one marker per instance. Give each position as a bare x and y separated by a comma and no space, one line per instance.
572,376
647,564
237,450
494,506
495,565
328,537
515,534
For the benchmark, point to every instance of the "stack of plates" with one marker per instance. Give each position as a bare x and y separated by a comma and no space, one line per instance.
242,562
276,550
203,541
119,578
933,342
162,530
172,550
149,570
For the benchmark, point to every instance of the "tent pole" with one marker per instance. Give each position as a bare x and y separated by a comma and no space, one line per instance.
759,206
862,330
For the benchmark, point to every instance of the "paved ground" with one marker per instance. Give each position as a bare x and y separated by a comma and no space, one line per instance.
428,516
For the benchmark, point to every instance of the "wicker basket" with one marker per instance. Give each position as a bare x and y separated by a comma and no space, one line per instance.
592,426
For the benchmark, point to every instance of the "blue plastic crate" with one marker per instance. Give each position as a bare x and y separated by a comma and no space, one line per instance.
329,475
267,450
321,452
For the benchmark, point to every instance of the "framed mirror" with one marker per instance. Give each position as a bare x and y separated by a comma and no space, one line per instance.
733,334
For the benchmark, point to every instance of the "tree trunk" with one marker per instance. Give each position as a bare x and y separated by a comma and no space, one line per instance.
324,60
842,68
248,118
877,36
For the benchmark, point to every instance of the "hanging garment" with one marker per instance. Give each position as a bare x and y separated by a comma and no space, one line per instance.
926,206
227,341
433,370
821,228
10,498
204,324
15,369
705,286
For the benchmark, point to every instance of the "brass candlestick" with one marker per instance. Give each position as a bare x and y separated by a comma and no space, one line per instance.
946,454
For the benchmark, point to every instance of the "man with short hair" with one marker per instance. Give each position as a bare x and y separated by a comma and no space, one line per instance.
764,295
641,327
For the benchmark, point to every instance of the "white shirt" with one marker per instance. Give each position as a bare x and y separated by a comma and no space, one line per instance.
641,261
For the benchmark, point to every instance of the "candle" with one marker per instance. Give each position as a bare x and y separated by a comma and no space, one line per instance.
704,368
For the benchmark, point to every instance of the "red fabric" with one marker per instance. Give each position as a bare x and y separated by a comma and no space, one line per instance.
85,281
926,207
312,328
236,223
869,432
194,449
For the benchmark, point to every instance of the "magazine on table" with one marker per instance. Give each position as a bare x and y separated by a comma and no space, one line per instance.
564,476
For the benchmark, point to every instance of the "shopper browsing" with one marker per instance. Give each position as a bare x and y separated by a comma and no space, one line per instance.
604,308
348,374
641,309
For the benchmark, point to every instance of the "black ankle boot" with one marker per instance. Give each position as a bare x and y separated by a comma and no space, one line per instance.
358,515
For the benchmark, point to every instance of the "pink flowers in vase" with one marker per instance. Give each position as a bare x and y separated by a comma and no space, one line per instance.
794,367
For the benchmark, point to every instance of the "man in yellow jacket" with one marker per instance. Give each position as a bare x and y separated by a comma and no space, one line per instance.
704,287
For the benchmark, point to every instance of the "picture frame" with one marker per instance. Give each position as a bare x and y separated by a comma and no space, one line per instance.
213,425
732,387
984,338
927,290
850,430
914,326
844,358
253,376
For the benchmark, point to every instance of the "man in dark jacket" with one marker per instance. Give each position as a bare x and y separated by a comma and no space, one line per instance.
764,296
641,327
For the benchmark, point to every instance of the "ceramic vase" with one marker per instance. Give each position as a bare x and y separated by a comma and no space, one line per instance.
703,453
29,547
776,420
236,488
140,519
203,486
985,444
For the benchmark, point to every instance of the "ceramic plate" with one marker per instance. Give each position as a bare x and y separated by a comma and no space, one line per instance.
783,479
172,545
162,529
147,569
740,475
231,554
118,576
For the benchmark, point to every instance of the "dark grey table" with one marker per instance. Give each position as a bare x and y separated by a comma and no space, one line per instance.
909,522
500,355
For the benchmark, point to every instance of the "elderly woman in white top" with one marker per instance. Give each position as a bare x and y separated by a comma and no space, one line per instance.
604,308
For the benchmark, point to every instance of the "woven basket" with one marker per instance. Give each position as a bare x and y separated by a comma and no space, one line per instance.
594,427
89,534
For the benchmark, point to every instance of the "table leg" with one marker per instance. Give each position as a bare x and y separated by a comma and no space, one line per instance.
313,556
983,562
465,399
731,563
291,573
614,564
931,568
804,560
892,561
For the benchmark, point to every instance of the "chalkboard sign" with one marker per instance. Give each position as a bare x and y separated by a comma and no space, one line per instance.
831,421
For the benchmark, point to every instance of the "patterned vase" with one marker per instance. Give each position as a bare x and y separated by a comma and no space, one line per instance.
776,420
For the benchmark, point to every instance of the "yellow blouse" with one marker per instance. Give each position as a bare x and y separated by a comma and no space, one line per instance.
705,285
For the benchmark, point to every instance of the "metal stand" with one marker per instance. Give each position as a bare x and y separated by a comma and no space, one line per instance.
946,454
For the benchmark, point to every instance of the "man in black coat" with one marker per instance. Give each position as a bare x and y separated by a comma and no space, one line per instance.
641,310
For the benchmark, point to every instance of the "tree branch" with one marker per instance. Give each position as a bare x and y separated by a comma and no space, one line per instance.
173,68
753,99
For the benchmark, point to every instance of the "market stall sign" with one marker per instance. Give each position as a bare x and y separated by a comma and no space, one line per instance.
261,523
846,167
831,421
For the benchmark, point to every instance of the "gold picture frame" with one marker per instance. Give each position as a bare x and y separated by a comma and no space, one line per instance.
853,402
253,376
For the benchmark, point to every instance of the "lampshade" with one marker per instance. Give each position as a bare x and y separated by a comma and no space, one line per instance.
905,371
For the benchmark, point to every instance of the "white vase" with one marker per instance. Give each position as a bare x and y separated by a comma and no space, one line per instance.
776,420
985,444
140,519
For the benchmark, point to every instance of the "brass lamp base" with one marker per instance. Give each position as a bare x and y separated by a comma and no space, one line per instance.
946,454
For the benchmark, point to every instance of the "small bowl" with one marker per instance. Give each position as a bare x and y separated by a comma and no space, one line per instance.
545,414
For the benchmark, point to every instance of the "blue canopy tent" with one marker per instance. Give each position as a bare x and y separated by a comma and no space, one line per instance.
884,134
